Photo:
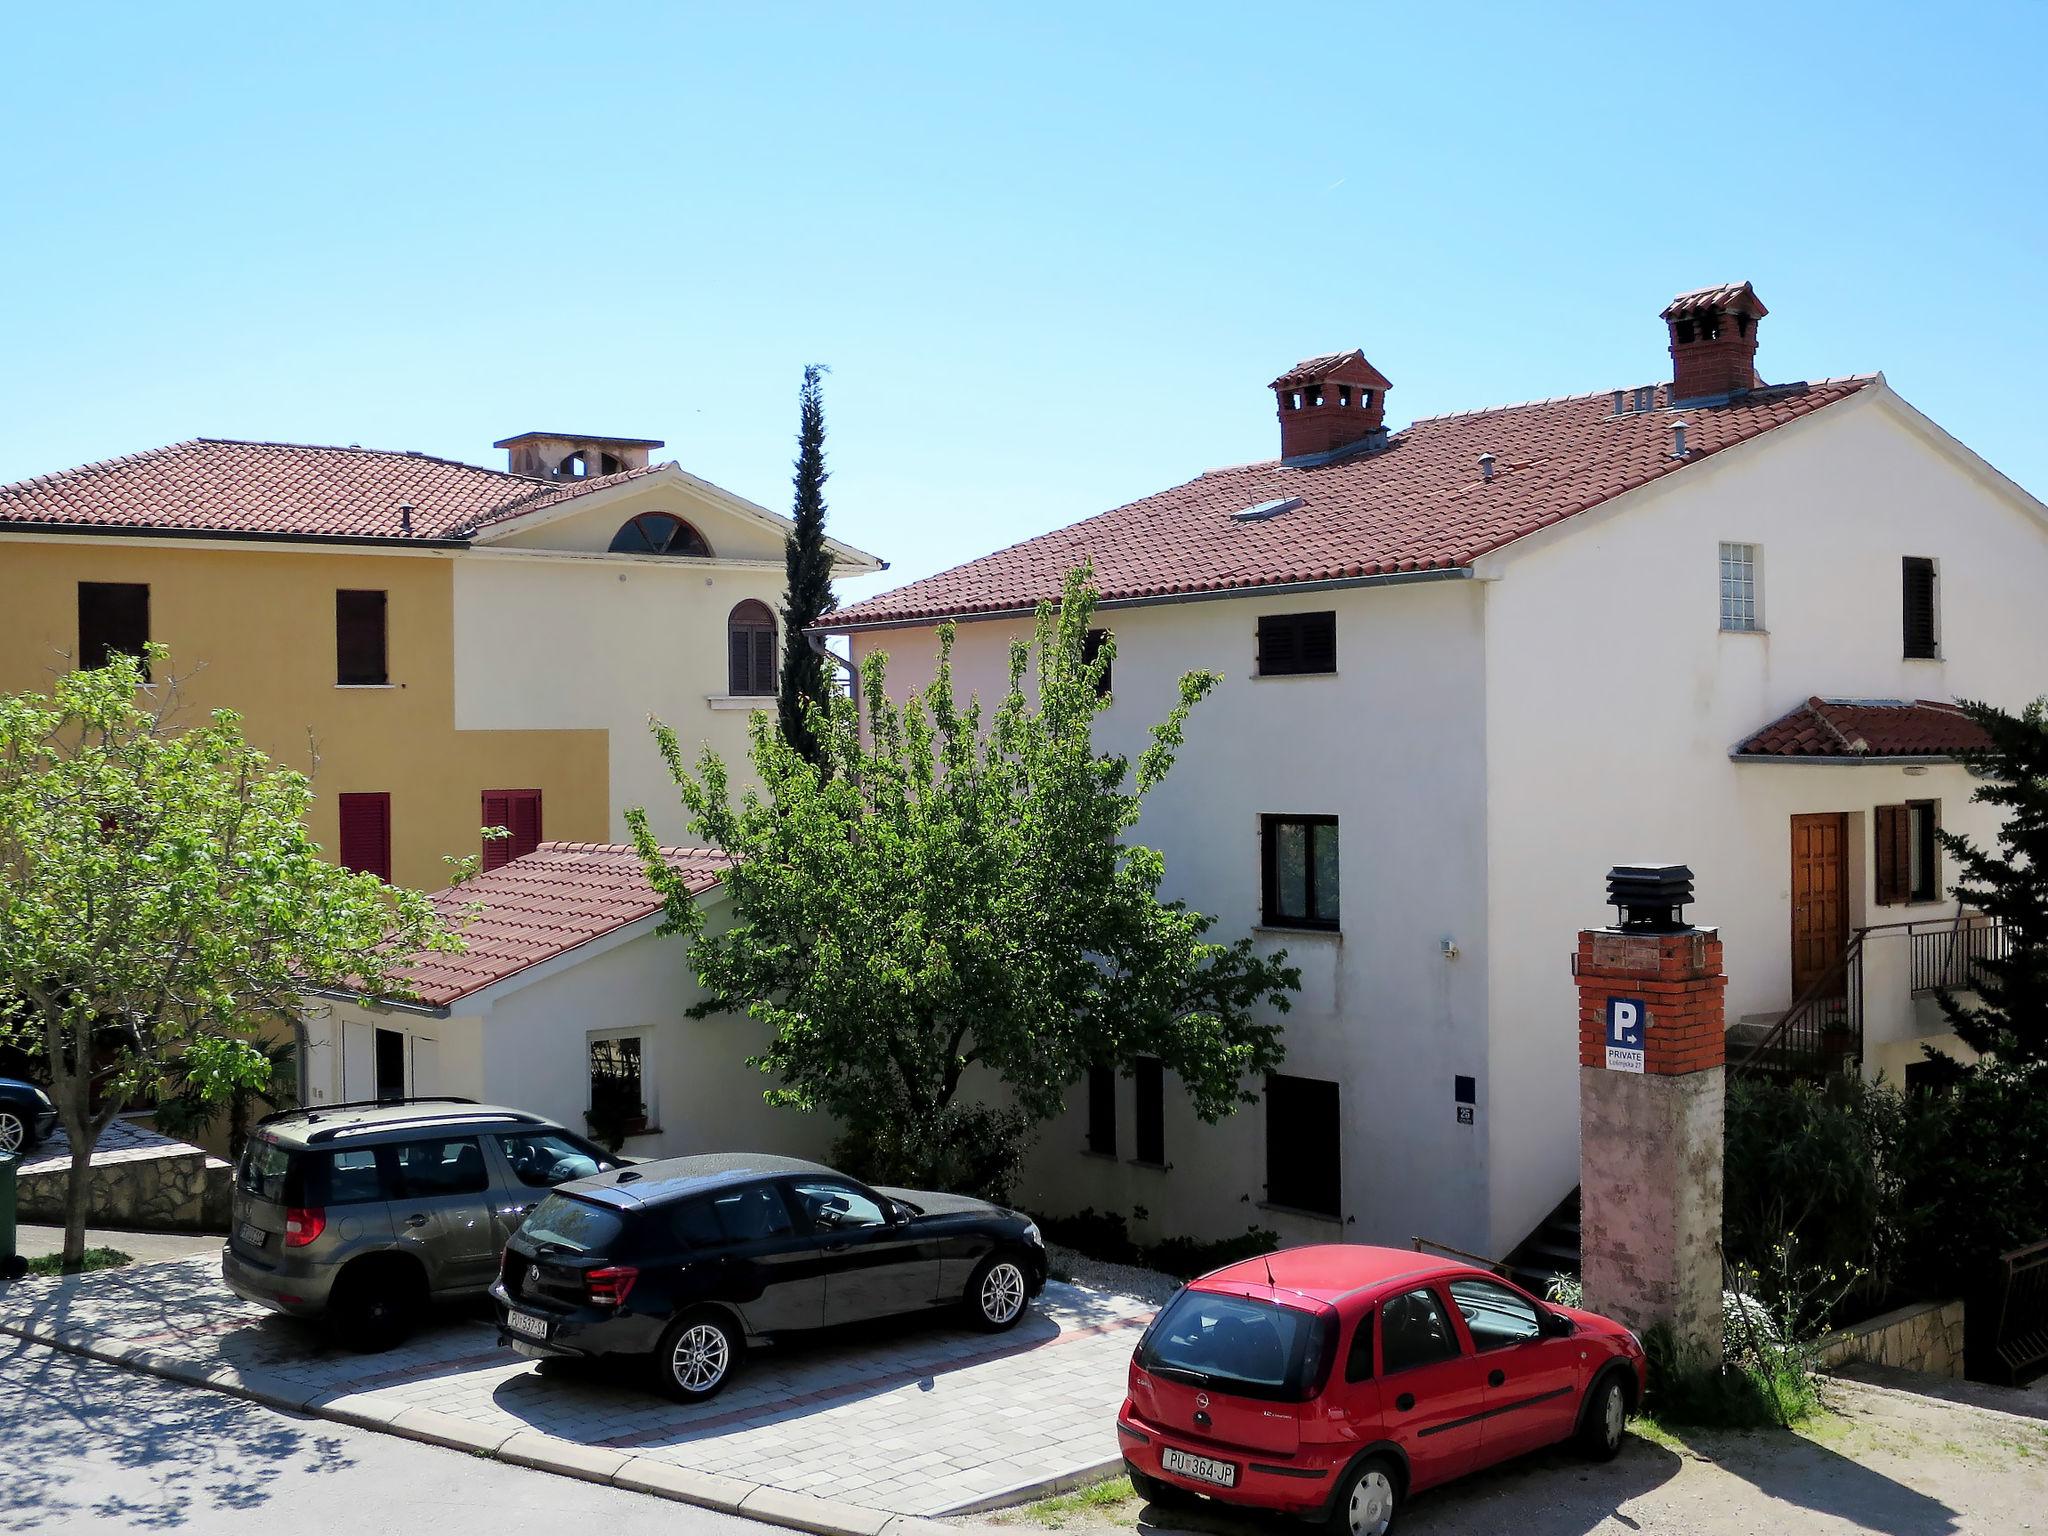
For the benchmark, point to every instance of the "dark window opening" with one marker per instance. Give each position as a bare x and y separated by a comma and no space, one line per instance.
615,1084
659,533
610,465
574,467
518,812
1343,396
366,833
1148,1077
113,619
750,650
1102,1110
1300,871
1365,399
1303,1144
1919,608
1293,644
1464,1090
1683,331
360,638
390,1066
1091,650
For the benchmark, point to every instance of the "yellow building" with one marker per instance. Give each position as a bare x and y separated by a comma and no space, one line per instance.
443,646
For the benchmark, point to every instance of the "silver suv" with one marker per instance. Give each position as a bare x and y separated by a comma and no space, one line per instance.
362,1213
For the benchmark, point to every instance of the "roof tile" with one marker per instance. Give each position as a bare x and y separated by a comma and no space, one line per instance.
1868,728
1416,504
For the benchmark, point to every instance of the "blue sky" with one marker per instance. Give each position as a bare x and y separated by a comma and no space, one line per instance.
1051,253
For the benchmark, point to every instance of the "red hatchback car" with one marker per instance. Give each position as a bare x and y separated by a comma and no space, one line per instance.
1333,1382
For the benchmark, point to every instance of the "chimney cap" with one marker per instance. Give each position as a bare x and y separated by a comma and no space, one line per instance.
579,437
1650,897
1740,297
1352,365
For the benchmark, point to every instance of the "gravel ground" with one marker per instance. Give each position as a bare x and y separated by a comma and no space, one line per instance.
1124,1279
1884,1463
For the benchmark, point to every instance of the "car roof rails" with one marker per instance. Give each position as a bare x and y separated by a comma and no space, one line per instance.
317,1111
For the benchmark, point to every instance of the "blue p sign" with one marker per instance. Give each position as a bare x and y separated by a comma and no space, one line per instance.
1626,1019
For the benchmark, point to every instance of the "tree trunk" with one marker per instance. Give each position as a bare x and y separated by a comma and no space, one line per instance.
77,1204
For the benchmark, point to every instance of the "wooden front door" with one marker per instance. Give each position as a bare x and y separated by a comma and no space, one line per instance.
1820,896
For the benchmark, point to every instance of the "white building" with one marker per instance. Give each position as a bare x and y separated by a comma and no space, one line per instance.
566,993
1470,665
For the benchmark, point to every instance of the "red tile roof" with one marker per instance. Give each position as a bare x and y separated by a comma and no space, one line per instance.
545,904
1874,729
1416,504
1309,369
1712,300
215,485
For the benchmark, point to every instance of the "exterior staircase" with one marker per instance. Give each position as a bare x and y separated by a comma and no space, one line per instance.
1552,1249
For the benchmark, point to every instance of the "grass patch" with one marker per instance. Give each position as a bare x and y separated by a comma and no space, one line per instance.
1773,1388
95,1258
1103,1498
1646,1426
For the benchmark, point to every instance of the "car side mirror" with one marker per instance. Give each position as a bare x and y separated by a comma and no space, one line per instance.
1556,1326
899,1213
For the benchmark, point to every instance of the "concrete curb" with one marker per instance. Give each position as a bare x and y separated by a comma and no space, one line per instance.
1025,1493
544,1453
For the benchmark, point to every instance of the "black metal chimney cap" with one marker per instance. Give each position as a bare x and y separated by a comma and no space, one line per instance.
1650,897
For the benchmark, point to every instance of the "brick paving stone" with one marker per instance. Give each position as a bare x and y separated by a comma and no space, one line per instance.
911,1420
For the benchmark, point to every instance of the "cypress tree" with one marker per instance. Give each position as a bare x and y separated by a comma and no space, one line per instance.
810,577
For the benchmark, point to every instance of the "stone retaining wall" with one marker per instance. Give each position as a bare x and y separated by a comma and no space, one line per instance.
1926,1337
140,1180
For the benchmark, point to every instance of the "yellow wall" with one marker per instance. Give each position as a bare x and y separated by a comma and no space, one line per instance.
252,627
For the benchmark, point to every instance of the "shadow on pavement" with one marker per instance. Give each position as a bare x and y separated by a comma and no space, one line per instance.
194,1452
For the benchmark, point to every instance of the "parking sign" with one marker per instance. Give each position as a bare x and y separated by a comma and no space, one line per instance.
1626,1020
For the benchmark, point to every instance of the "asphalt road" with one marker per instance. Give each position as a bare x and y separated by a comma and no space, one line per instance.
91,1447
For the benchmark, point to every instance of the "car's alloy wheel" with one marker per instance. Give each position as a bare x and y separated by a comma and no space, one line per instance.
1371,1508
1002,1293
13,1132
701,1356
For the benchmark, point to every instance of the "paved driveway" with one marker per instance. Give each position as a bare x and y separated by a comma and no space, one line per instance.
915,1420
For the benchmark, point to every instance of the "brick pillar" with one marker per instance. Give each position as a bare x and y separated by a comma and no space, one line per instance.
1651,1053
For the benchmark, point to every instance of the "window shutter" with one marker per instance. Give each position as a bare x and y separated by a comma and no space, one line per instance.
1278,652
1894,854
366,834
497,813
525,822
1148,1077
740,663
1102,1110
1919,607
764,661
1319,642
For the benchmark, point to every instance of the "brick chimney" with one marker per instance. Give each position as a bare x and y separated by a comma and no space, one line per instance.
1713,342
570,456
1331,402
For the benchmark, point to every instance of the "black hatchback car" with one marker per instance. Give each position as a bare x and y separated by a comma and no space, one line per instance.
690,1260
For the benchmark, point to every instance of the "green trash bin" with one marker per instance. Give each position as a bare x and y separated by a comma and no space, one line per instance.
12,1265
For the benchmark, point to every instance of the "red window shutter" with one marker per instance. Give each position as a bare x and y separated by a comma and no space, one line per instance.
497,813
518,812
366,834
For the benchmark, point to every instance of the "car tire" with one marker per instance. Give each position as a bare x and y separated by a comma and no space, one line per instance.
1604,1420
697,1356
17,1136
1159,1493
376,1304
1367,1500
997,1295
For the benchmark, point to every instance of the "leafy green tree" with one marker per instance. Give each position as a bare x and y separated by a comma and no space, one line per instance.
183,1110
2010,1019
160,900
944,927
805,690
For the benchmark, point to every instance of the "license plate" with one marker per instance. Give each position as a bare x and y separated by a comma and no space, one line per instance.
1204,1469
253,1236
526,1323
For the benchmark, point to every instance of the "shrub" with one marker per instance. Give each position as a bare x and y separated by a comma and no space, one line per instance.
1106,1235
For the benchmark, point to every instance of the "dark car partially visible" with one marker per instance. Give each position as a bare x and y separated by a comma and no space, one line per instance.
689,1261
27,1117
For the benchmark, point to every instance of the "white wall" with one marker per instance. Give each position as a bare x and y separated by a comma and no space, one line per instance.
1391,745
525,1044
1614,700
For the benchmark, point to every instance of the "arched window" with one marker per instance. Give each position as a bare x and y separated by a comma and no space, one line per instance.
750,650
574,467
657,533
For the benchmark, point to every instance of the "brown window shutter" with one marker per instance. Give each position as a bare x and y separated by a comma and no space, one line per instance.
497,813
764,661
525,823
740,664
1894,855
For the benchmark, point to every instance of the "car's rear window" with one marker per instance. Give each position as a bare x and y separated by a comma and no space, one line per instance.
563,1221
266,1168
1240,1345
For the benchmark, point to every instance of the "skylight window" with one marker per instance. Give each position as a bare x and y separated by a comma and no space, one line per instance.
1266,509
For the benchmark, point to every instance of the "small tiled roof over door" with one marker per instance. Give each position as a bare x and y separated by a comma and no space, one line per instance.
532,909
1874,730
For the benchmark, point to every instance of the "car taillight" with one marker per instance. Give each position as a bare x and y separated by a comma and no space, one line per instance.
302,1226
610,1286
